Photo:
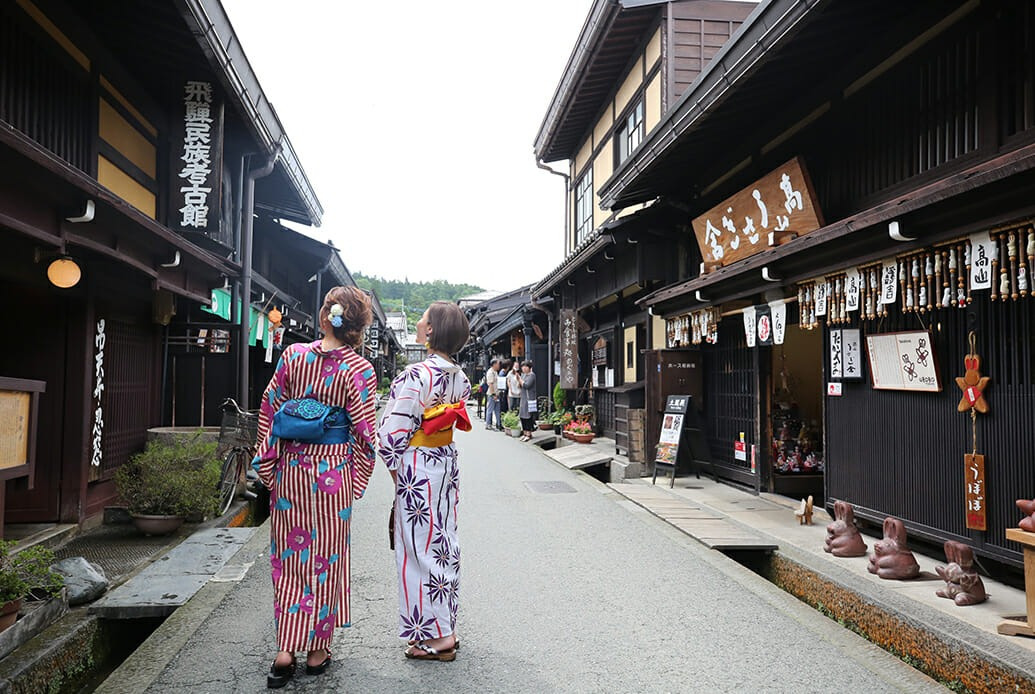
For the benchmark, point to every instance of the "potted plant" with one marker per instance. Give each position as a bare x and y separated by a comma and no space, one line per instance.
563,419
165,483
511,422
22,573
580,431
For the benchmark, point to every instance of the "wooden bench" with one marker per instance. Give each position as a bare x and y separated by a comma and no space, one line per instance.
1023,625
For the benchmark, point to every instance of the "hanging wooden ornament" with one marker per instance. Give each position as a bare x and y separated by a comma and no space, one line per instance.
972,383
1011,250
1022,271
926,290
994,293
966,266
961,282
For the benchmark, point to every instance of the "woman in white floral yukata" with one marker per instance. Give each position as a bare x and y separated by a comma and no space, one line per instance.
425,405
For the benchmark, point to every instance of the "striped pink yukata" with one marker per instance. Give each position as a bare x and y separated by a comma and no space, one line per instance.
311,492
427,491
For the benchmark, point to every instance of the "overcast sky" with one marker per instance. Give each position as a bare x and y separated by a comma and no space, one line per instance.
414,121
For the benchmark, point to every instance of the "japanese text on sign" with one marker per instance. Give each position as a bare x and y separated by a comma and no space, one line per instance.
974,470
569,349
740,225
99,341
197,154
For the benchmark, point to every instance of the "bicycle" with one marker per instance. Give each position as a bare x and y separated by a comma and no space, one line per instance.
237,430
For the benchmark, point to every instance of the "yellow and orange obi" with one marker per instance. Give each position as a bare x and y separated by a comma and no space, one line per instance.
438,424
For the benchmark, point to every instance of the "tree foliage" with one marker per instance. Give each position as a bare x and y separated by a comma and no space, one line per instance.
413,297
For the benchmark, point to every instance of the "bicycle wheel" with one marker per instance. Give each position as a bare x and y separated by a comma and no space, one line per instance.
233,467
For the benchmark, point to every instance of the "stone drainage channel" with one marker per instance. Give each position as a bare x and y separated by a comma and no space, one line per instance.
76,652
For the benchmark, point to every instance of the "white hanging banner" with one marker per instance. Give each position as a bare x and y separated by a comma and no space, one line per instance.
981,250
889,282
853,281
822,288
778,310
749,325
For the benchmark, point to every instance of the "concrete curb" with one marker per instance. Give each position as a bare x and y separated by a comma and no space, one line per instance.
950,650
147,662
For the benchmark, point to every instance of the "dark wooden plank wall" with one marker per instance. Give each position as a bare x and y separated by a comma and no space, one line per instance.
901,454
731,397
44,93
696,31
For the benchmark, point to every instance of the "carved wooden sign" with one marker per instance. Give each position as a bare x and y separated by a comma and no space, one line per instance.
776,206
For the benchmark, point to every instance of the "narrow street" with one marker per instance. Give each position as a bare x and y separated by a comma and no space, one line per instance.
566,588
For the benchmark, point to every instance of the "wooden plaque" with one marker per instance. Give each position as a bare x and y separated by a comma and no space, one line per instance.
780,203
974,471
15,410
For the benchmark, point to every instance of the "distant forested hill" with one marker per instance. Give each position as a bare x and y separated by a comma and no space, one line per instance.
413,296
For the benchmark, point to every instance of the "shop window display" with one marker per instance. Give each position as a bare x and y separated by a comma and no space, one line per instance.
797,445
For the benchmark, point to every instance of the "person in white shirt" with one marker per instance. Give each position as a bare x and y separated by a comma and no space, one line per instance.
492,396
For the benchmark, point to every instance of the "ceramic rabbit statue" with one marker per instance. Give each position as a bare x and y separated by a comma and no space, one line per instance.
891,557
962,583
1027,507
843,538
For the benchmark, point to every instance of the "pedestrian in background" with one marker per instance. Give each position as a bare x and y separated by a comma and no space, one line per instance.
492,397
529,405
501,385
313,482
424,406
514,385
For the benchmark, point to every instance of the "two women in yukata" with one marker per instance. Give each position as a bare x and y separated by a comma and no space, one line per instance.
312,485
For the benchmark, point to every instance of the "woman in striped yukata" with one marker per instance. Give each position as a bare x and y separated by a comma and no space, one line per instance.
423,463
312,485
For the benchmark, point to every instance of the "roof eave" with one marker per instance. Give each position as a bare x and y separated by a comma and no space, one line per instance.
601,14
761,31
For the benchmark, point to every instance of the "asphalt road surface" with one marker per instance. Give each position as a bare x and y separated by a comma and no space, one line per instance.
566,587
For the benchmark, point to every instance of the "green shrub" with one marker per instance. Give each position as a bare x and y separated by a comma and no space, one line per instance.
511,420
181,479
26,571
559,396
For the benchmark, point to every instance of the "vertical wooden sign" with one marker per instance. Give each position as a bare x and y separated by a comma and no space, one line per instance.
974,469
569,347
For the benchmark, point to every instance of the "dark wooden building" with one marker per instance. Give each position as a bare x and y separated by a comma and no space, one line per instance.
136,150
632,61
914,125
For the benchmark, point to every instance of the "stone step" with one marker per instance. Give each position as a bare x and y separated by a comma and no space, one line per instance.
172,579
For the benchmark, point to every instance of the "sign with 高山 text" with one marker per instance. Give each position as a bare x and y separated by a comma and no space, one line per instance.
739,226
569,349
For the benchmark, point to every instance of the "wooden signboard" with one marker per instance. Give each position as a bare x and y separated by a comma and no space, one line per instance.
569,349
14,428
975,491
599,353
19,408
903,361
776,207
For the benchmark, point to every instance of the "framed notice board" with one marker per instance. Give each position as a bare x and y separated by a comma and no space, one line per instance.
903,361
19,409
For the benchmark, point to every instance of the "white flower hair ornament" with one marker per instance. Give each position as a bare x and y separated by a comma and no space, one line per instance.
337,311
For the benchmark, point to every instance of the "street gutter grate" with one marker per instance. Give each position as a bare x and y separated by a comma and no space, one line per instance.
116,549
550,487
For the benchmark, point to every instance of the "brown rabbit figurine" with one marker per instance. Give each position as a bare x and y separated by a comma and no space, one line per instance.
962,583
843,538
1027,507
891,558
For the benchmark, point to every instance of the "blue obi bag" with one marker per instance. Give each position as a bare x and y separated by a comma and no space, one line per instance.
310,421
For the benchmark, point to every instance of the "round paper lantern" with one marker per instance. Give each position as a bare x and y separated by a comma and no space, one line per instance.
275,316
64,273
